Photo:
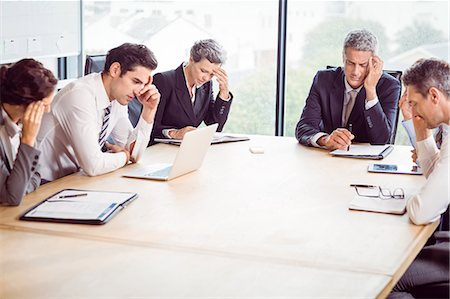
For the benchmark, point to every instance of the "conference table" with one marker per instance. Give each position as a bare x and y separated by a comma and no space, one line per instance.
275,224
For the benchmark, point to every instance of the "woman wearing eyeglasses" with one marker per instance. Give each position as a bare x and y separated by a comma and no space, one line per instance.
26,92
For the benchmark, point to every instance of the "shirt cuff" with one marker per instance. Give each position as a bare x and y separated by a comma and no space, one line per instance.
371,103
316,137
409,127
229,98
166,132
427,148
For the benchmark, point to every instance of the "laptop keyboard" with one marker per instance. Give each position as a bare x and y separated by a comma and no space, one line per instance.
164,172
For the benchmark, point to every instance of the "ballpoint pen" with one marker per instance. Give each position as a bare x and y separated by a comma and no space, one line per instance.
73,195
362,186
350,128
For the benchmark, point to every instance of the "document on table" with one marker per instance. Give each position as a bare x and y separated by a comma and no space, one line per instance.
374,152
79,206
374,204
218,138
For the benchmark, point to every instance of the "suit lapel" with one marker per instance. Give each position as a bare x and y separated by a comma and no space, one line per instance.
182,93
337,99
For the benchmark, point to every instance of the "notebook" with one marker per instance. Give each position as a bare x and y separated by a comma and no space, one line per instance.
373,204
189,157
79,206
218,138
373,152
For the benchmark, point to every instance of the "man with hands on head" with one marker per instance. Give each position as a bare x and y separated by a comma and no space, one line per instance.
187,96
358,96
439,133
93,109
427,84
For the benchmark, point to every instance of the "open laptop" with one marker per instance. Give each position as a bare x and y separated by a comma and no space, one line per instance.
189,157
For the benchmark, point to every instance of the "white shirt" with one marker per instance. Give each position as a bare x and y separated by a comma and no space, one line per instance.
10,137
369,104
69,135
434,197
409,127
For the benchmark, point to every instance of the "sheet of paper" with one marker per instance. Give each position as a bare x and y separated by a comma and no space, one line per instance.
373,204
93,205
73,210
361,150
218,138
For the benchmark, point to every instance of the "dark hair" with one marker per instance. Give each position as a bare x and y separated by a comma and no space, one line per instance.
129,56
25,81
427,73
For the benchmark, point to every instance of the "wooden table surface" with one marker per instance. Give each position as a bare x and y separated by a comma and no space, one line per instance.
276,221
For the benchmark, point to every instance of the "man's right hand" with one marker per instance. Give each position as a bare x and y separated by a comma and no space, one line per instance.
405,107
179,134
339,139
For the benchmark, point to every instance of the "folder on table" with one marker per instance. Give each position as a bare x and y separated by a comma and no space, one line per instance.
79,206
218,138
373,152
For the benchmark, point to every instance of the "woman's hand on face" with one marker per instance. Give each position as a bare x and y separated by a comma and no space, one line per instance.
31,121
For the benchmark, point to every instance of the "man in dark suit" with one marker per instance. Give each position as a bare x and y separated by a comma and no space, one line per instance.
186,93
357,102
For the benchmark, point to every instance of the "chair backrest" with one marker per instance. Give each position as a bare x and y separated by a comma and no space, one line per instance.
397,75
94,64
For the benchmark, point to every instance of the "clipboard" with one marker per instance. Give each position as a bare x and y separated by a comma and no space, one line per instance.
79,206
371,152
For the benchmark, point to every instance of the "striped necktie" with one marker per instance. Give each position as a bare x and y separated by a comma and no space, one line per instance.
439,136
102,136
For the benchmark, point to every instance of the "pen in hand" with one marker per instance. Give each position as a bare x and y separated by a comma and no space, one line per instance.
350,128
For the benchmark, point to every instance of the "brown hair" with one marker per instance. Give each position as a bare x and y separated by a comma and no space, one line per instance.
25,81
427,73
130,56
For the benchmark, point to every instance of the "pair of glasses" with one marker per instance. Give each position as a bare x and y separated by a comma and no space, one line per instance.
377,191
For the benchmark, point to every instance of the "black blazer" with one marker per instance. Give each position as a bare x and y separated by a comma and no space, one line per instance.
323,109
175,108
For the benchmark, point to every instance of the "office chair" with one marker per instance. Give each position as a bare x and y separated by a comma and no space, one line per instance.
397,75
94,64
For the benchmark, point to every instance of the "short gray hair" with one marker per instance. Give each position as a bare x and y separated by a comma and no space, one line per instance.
427,73
361,40
208,49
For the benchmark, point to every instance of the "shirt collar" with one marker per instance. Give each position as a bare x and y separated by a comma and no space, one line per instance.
11,127
348,88
100,92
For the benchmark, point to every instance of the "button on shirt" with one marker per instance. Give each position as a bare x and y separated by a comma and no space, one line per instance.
69,134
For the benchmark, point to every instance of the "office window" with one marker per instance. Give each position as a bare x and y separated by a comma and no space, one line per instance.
406,30
247,30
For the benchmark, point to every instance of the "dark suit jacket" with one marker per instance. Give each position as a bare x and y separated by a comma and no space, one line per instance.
175,109
323,109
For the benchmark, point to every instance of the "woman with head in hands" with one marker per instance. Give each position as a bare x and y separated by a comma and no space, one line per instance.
26,93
